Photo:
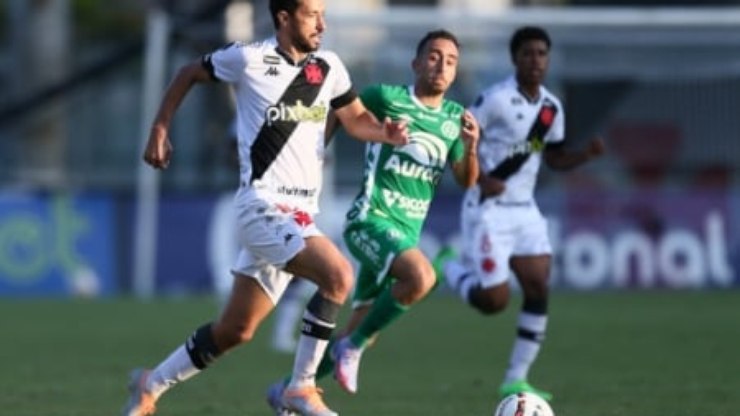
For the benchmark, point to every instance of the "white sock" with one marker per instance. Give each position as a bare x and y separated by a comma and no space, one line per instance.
176,368
308,355
530,334
459,278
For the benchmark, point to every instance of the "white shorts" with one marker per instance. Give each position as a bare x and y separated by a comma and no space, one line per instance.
269,235
493,232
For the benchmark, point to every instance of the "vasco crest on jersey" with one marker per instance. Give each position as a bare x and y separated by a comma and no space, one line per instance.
314,74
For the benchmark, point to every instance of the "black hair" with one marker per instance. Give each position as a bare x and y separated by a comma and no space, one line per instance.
436,34
276,6
525,34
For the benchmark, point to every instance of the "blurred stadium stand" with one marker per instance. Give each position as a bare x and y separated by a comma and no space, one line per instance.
661,84
633,70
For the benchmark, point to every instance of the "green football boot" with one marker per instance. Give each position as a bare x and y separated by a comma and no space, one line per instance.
518,386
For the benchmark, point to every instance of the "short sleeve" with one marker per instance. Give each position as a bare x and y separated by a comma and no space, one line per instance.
343,82
482,109
457,151
372,99
557,131
228,63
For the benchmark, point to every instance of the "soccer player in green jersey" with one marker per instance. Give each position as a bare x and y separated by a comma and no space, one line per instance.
385,221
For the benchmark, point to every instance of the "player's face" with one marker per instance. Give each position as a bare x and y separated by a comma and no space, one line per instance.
436,66
306,25
531,61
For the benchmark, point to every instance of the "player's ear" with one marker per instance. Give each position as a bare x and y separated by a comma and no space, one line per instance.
283,16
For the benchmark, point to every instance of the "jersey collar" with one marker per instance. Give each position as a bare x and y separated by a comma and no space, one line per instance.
527,98
416,101
289,60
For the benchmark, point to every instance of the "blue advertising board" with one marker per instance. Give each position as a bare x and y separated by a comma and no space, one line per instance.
53,245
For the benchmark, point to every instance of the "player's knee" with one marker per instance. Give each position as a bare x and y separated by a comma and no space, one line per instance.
424,283
338,282
491,304
415,285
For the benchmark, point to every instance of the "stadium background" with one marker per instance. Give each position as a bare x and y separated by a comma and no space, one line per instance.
80,213
105,265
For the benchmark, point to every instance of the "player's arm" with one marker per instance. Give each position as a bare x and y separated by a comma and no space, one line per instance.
361,124
559,158
159,149
466,170
332,125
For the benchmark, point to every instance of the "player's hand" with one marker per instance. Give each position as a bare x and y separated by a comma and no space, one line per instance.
470,132
596,147
490,186
396,132
158,148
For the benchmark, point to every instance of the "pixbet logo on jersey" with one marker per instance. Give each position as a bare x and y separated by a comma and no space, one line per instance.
295,113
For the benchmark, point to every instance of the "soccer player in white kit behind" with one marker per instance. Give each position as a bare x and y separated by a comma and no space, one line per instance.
503,230
284,88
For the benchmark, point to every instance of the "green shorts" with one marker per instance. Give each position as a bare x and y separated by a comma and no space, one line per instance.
375,243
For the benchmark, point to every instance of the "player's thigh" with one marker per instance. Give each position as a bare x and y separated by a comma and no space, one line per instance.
486,252
533,273
531,257
321,262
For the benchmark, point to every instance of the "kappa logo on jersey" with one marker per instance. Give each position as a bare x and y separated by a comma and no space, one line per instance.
314,75
272,71
295,113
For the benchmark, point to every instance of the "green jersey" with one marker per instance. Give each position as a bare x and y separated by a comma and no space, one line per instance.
400,181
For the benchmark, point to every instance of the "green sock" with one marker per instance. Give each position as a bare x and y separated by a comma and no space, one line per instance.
385,310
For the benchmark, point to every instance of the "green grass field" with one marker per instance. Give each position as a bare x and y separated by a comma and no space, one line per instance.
607,354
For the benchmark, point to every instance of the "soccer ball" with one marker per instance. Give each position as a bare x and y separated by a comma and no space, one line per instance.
523,404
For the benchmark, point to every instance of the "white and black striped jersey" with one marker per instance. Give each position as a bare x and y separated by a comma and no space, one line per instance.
514,132
281,116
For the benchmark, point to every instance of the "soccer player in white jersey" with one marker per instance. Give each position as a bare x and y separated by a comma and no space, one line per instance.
502,228
284,88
